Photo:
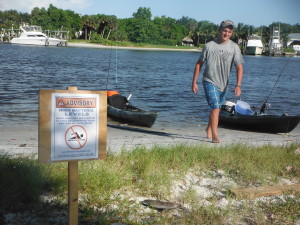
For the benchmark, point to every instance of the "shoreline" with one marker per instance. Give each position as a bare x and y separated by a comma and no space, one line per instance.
86,45
23,139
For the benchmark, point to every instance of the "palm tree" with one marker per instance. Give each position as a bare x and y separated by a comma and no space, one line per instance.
206,30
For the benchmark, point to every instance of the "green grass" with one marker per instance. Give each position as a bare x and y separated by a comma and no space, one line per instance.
131,44
280,211
150,173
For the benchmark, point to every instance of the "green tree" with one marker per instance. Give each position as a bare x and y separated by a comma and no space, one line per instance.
107,25
169,29
241,31
140,28
85,26
142,31
143,13
100,24
10,18
56,19
189,23
204,32
39,16
72,23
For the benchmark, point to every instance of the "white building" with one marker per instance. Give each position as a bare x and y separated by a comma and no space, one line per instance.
294,41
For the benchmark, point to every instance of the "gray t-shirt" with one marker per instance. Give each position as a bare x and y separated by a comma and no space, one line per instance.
219,59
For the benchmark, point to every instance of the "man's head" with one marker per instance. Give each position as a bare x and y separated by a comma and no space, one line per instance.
225,30
226,24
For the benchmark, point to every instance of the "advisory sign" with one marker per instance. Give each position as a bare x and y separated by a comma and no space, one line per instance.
72,125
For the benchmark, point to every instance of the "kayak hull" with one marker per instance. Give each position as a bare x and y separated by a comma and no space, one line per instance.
132,115
260,123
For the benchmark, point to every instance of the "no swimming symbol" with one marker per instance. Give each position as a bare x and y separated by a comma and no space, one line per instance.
76,137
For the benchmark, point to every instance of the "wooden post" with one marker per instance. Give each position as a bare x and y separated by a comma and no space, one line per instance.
73,187
73,192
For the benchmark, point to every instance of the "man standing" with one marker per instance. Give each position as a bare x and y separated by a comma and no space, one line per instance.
219,56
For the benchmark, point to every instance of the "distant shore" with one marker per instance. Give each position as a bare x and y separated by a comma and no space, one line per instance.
86,45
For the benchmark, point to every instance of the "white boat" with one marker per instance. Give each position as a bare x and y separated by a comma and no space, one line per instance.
33,35
275,41
254,45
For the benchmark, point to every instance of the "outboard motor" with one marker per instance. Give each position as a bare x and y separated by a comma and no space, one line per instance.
228,106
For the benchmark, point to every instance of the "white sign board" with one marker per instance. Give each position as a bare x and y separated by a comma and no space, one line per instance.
74,126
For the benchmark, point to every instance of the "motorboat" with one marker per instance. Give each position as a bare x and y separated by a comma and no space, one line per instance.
254,45
240,116
275,41
33,35
121,110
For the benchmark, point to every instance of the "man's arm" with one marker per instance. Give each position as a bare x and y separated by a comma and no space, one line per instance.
239,78
196,74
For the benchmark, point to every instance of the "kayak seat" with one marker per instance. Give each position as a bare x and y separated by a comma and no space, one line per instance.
117,101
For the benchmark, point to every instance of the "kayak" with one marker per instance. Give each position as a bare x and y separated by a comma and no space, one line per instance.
120,109
261,123
257,121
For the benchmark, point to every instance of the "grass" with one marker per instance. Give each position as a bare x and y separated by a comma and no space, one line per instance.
131,44
107,187
282,211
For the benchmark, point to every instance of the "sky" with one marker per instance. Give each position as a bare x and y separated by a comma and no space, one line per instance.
254,12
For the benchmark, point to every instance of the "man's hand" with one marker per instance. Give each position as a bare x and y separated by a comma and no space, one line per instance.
195,88
237,91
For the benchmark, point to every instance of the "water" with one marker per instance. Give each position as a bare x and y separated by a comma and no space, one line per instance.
157,80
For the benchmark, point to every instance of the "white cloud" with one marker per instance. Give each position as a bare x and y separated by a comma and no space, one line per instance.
28,5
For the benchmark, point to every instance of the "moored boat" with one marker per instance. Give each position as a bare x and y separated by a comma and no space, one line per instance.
33,35
254,45
259,121
120,109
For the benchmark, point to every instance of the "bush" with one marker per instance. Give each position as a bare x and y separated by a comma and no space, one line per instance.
96,38
289,50
21,181
169,42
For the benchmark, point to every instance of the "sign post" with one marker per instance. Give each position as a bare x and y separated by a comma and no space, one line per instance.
72,127
73,192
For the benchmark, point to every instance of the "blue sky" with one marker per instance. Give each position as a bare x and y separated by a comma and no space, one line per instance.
253,12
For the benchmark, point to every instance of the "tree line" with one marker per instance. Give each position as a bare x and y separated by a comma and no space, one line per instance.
140,28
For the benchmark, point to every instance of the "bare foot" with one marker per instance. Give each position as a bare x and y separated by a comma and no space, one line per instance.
215,140
208,133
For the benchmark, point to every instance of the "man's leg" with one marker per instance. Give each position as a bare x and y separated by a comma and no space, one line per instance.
214,121
208,129
215,99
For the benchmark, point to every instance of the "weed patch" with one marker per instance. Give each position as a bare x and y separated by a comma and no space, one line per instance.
196,178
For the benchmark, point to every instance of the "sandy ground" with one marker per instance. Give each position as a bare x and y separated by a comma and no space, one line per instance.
24,139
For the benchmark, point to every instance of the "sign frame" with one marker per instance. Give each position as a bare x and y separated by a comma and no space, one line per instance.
45,123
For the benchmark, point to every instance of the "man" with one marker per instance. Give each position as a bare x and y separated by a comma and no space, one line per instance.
219,56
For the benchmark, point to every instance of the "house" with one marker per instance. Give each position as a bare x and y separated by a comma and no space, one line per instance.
187,41
294,41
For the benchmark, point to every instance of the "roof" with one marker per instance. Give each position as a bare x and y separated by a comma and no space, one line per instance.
294,37
187,39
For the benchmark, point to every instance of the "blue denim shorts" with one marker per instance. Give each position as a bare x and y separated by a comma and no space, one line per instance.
214,97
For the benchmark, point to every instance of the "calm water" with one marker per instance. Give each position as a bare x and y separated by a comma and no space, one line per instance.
157,80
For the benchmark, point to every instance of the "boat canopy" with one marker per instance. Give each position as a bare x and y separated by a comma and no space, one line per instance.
31,28
254,37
